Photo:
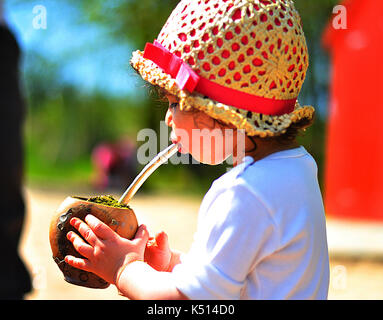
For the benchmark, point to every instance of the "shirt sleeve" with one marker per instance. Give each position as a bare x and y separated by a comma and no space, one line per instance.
235,233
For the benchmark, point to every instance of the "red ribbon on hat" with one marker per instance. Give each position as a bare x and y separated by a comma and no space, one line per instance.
187,79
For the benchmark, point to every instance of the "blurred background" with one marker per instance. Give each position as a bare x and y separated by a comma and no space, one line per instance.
84,106
81,91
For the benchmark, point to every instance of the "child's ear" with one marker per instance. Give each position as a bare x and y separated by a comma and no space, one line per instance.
169,117
203,121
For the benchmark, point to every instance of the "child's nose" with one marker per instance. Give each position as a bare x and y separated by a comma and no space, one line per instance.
168,118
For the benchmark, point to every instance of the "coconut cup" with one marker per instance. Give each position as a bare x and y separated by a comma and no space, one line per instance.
120,218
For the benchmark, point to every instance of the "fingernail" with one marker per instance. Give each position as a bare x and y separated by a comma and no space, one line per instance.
90,217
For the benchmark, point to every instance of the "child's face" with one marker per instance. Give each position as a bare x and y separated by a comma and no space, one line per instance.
198,134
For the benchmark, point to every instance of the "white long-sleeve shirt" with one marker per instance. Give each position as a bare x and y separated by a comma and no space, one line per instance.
261,234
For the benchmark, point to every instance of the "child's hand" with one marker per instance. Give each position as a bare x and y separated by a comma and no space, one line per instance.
106,253
157,252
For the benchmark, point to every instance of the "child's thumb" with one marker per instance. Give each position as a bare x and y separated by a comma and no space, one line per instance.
142,234
162,240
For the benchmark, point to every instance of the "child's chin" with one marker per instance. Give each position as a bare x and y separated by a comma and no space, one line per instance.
208,160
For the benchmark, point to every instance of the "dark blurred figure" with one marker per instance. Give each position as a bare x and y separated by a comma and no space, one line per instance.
14,278
114,164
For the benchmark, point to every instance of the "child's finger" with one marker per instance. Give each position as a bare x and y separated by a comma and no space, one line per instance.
81,247
84,230
78,263
162,240
142,234
99,228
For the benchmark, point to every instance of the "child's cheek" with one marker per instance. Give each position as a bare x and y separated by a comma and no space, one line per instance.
182,132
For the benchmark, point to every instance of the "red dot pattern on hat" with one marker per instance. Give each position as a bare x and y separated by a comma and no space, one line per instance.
257,47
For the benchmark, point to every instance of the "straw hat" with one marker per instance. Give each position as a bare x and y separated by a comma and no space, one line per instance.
240,61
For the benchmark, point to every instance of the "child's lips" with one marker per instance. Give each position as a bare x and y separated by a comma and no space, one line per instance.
176,140
178,145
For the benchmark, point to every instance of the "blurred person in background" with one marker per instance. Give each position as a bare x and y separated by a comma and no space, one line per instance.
15,280
114,164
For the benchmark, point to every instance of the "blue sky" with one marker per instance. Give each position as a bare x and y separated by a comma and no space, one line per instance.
85,55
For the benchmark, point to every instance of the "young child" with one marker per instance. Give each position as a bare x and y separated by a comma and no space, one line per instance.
229,66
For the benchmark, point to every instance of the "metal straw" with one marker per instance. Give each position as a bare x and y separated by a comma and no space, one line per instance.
159,159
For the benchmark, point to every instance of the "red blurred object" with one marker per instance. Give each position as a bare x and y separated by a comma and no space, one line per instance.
354,155
115,164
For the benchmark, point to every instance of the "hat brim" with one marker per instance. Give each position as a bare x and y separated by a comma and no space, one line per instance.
254,124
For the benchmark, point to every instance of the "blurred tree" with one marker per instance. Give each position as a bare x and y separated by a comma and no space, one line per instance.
134,21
